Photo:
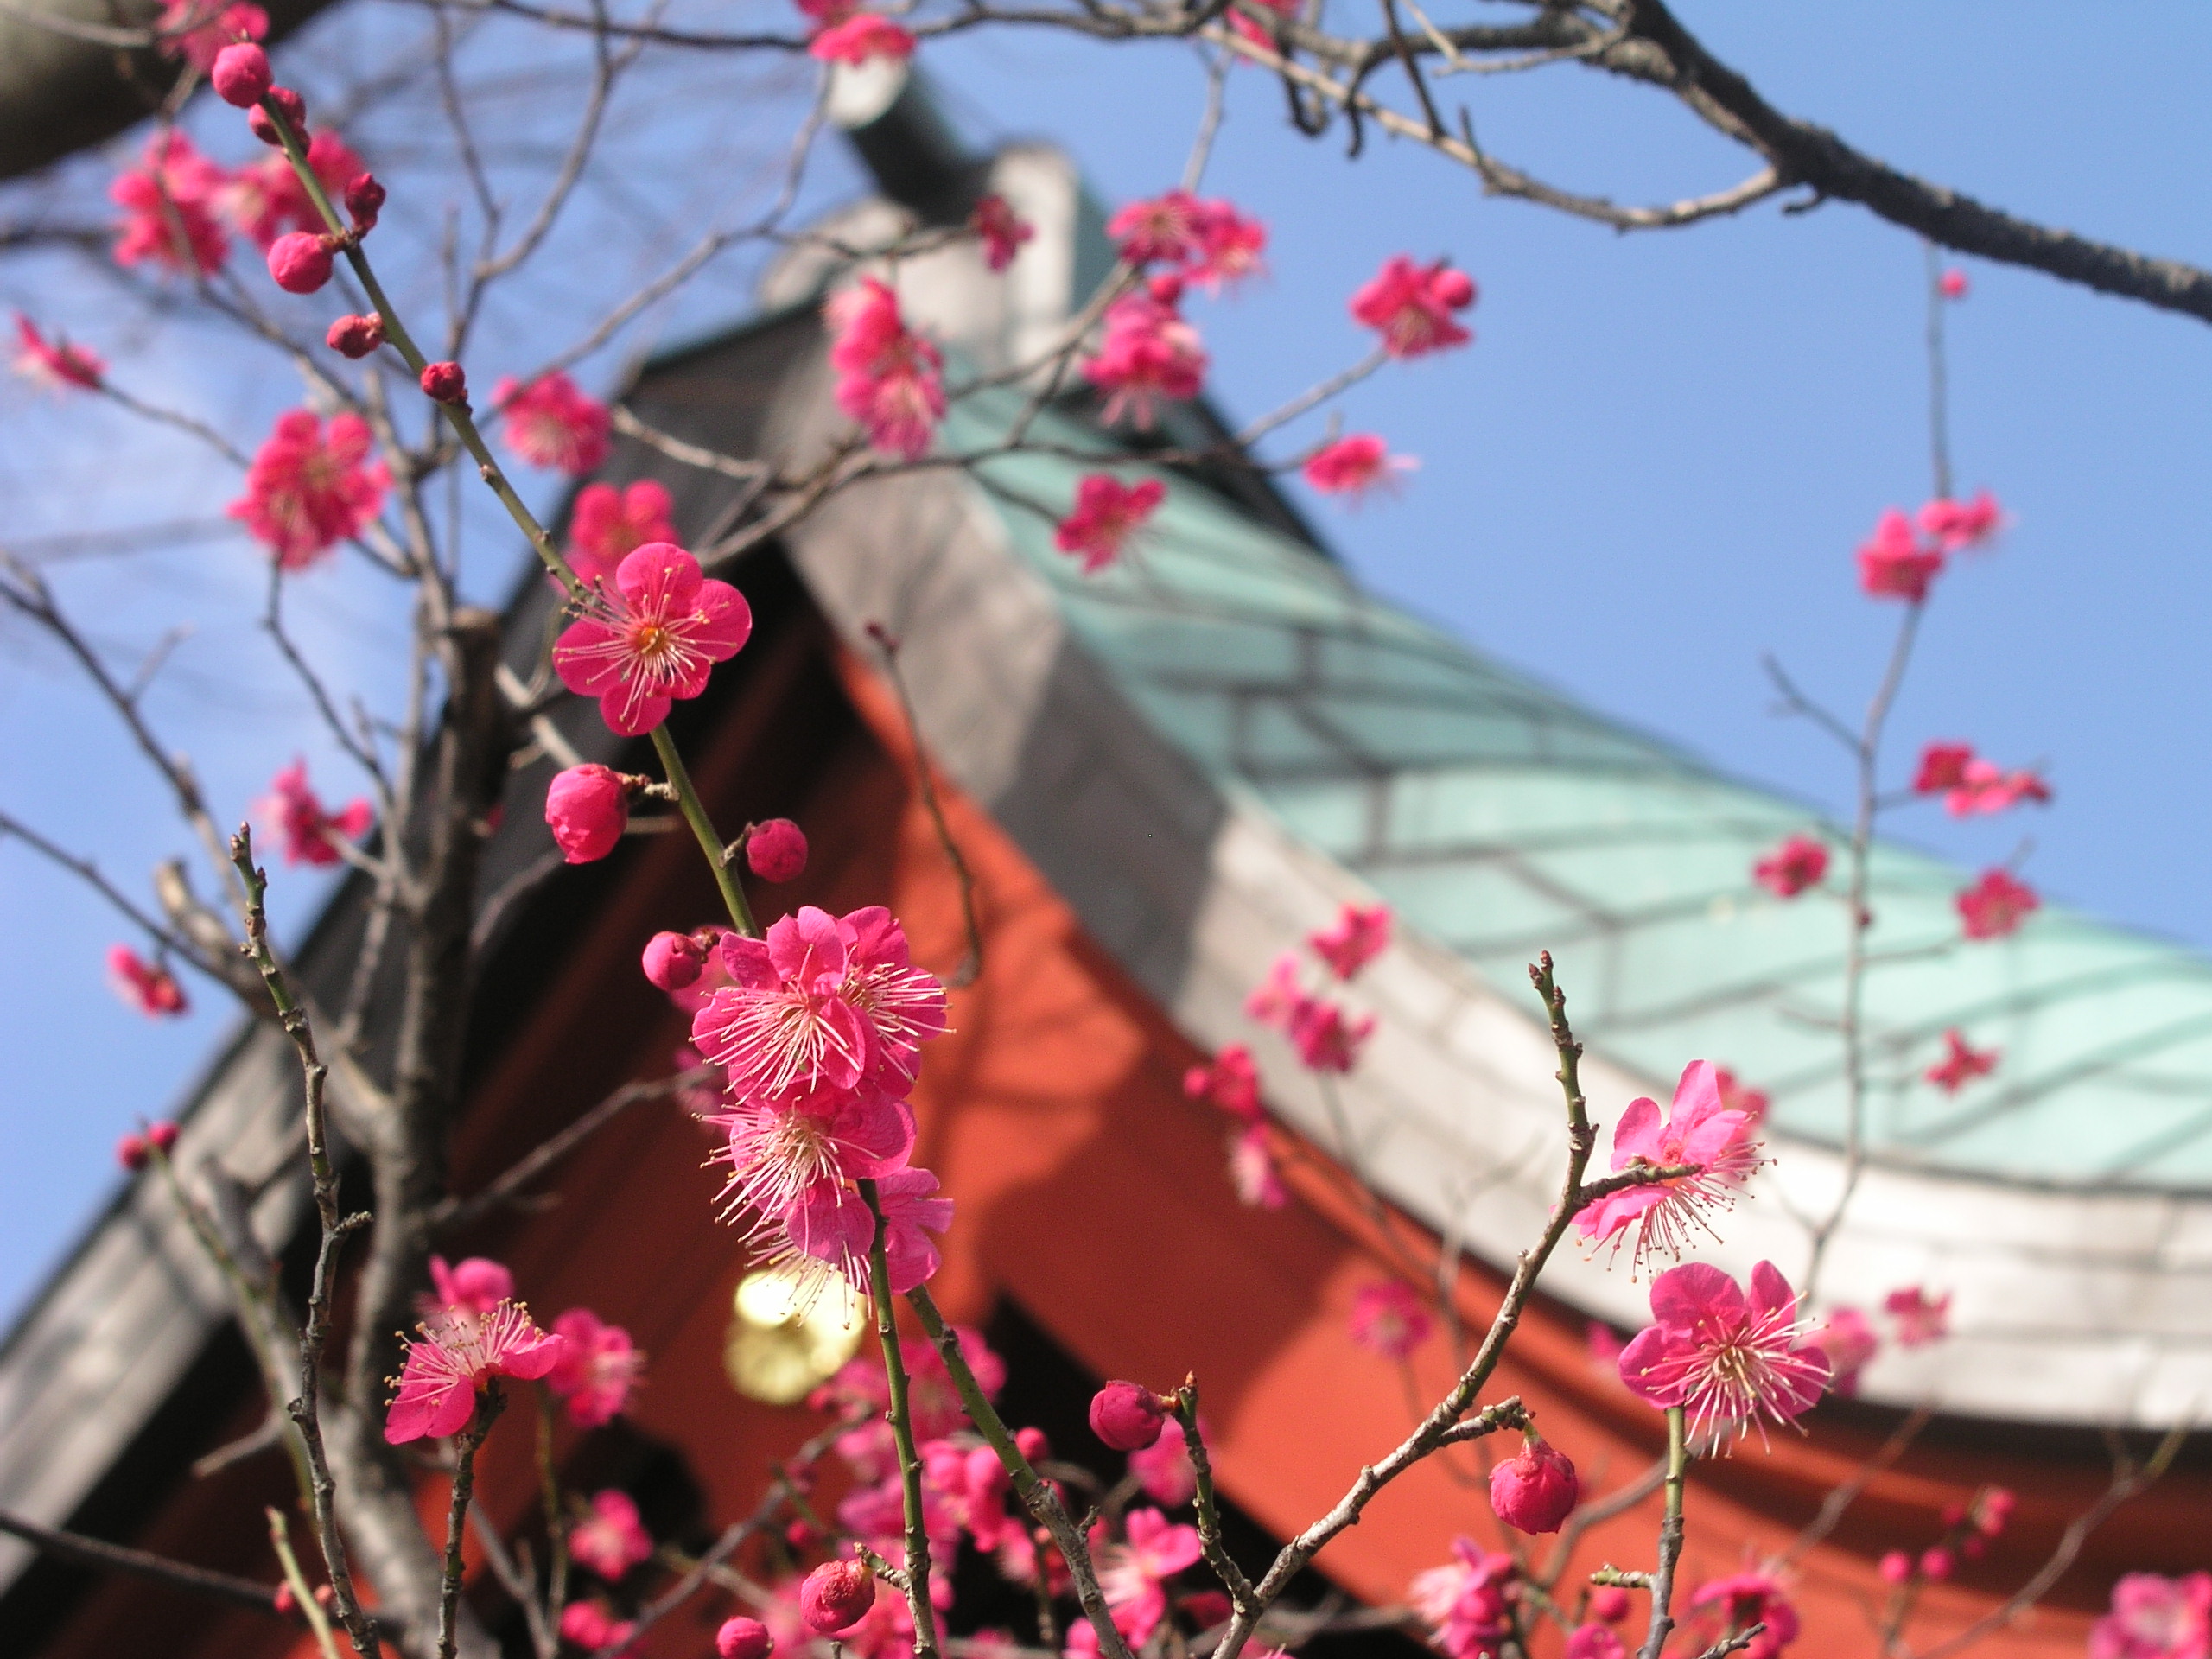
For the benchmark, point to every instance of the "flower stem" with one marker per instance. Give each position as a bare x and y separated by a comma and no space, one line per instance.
916,1565
464,423
1218,1556
464,1487
1036,1492
1670,1536
694,814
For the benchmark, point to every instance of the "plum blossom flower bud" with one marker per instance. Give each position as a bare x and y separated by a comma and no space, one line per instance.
1535,1491
299,262
836,1595
744,1638
355,336
162,1136
1896,1567
131,1151
776,850
1994,1511
1953,282
1167,288
364,201
588,809
1031,1443
673,960
1935,1564
241,75
294,110
801,1535
1126,1416
445,383
1610,1603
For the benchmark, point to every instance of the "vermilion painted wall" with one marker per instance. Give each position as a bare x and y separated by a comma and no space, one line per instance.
1093,1195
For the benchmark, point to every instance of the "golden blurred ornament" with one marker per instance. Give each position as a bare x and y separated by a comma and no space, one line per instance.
778,1351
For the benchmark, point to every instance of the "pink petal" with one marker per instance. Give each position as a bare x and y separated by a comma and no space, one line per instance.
879,1134
631,715
588,658
536,1357
748,963
1687,1296
808,950
1771,1292
723,620
1648,1350
1636,1135
1696,1094
659,579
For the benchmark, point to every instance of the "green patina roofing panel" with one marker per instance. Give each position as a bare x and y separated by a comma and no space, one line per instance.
1508,820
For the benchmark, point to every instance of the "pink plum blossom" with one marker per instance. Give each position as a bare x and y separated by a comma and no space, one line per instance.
1698,1131
1360,933
1749,1598
1252,1170
551,422
598,1368
465,1290
1738,1096
1355,465
782,1153
1594,1642
1132,1573
591,1627
1278,996
311,486
146,986
1920,1318
1960,1063
610,1539
1893,563
1231,1081
1165,1470
863,35
1229,246
450,1360
1148,354
1791,868
607,525
55,363
1107,519
1995,905
305,828
823,1001
1326,1039
1467,1604
1848,1339
833,1227
889,379
198,30
1956,526
2156,1617
1986,788
655,638
168,203
1162,229
1726,1359
265,199
1943,766
1412,306
1000,230
1389,1319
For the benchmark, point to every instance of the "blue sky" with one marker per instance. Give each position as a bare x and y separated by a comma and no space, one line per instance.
1650,469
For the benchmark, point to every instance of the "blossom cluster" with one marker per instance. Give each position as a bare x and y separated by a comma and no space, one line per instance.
818,1028
473,1332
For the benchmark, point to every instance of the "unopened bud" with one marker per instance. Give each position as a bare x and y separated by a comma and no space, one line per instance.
445,383
836,1595
673,961
744,1638
776,850
299,262
1126,1416
364,201
131,1151
162,1136
241,75
355,337
294,109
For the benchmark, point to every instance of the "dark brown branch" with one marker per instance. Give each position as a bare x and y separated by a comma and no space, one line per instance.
94,1552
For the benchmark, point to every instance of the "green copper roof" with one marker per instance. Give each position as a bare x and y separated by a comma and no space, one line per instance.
1499,818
